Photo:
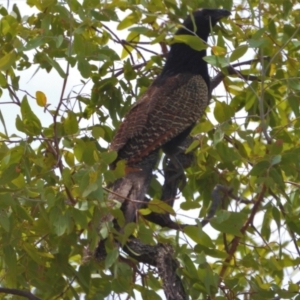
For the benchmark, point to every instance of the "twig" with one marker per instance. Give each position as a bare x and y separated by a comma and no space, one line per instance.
291,232
263,239
55,150
10,103
230,70
249,62
116,39
14,95
236,240
124,198
263,76
17,292
293,183
66,289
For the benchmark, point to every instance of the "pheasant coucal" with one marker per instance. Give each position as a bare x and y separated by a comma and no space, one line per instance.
165,114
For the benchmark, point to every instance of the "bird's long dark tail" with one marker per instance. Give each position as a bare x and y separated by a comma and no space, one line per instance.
130,190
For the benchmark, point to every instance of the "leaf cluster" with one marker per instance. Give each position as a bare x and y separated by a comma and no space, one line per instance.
53,175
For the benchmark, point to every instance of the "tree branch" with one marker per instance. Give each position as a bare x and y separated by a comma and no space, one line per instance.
17,292
236,240
160,256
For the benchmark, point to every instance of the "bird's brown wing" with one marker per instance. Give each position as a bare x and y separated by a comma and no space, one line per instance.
163,112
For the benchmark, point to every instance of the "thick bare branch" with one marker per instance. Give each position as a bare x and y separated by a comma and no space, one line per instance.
162,257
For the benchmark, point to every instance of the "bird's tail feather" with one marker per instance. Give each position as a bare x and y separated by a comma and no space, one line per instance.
130,190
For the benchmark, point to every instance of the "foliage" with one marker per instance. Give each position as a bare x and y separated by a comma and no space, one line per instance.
53,176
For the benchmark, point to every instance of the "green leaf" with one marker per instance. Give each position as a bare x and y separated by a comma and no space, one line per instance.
37,219
272,28
192,40
109,157
21,212
69,157
139,29
4,220
128,21
29,124
33,253
275,160
238,52
9,174
160,207
203,126
7,60
257,40
216,61
42,5
213,252
59,41
34,43
89,189
98,132
229,222
84,276
294,103
192,146
84,68
3,81
60,222
150,295
241,148
10,257
79,149
6,200
260,168
55,65
145,234
294,84
189,267
276,216
276,175
16,10
70,124
226,153
129,72
265,229
111,257
219,51
208,278
218,135
124,278
187,205
145,211
198,236
223,112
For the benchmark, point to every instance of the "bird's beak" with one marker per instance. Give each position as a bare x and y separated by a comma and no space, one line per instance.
221,13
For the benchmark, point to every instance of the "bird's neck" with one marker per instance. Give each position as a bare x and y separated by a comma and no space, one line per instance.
183,59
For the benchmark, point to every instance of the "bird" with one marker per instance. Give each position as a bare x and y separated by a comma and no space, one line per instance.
165,114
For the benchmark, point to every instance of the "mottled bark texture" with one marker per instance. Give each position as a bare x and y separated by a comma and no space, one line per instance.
162,257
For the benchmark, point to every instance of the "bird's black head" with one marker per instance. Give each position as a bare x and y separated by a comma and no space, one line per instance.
202,21
184,59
